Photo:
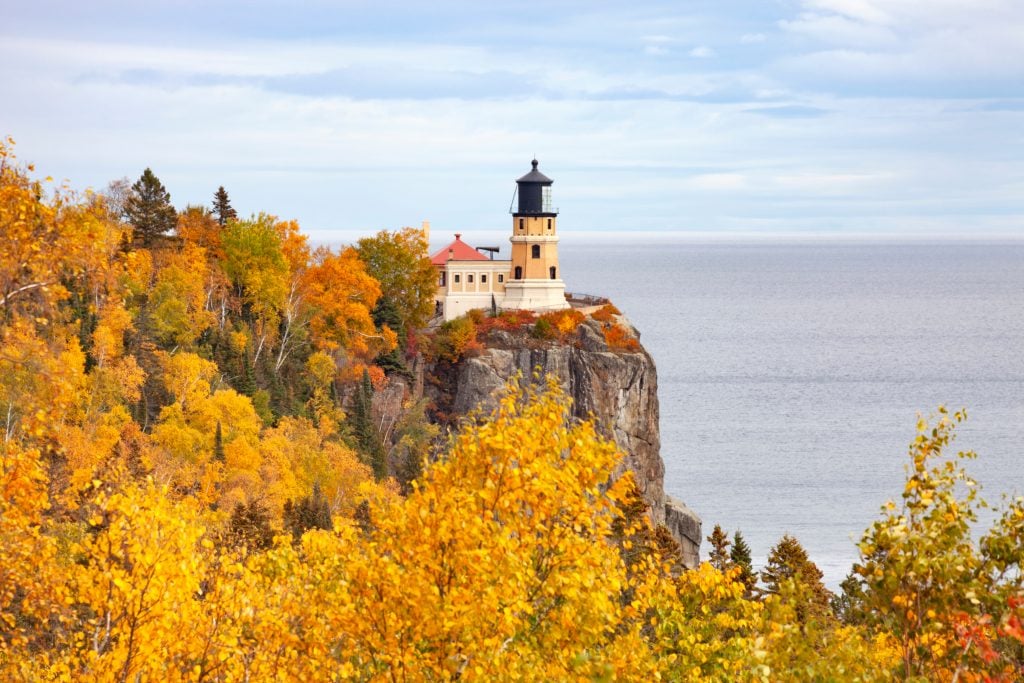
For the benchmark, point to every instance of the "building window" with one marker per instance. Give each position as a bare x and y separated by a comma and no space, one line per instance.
456,278
549,224
535,251
483,279
522,223
552,271
441,280
501,277
469,278
519,273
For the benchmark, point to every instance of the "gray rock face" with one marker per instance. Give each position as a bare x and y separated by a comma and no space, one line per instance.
618,389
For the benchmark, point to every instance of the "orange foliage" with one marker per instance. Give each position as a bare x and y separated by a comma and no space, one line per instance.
605,313
619,339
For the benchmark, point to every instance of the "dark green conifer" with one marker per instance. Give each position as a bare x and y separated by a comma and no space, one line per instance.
149,209
365,432
218,444
739,555
311,512
222,208
249,527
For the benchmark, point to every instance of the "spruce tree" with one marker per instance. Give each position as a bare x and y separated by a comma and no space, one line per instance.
311,512
719,541
149,209
740,557
218,444
249,527
367,439
791,573
222,208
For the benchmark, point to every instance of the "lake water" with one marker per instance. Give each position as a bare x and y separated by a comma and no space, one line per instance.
790,374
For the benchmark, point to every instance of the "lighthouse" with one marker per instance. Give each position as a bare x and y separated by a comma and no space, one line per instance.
535,281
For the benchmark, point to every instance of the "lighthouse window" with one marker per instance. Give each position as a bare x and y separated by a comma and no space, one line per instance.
552,271
546,199
522,223
535,251
519,273
549,224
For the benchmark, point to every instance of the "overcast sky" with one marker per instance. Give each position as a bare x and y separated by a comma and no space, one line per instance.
882,117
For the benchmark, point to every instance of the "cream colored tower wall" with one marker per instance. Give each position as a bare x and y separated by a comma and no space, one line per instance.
535,289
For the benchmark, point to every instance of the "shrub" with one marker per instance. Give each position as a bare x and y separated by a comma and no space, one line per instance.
605,313
558,324
454,339
619,339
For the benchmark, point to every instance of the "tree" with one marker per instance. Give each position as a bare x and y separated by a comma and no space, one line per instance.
149,209
398,261
719,557
944,594
739,556
249,526
791,573
365,431
222,208
311,512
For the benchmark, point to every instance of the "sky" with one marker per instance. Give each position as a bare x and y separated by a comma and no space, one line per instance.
727,117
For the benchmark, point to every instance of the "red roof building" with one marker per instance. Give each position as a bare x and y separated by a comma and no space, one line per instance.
457,251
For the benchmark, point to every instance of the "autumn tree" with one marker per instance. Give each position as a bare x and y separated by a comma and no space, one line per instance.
149,209
944,594
398,261
222,208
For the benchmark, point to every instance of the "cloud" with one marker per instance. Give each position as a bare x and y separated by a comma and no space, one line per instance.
791,111
702,52
751,38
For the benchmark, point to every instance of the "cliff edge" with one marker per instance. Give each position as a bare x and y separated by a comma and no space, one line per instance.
617,387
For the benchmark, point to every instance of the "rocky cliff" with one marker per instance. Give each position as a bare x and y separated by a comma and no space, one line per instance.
618,388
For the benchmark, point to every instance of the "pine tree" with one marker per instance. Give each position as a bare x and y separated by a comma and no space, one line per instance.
719,541
218,444
367,439
311,512
249,527
222,208
149,209
740,557
790,572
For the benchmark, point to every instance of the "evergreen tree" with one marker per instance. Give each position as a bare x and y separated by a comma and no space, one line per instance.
218,444
249,527
740,557
791,573
222,208
311,512
149,209
719,541
365,432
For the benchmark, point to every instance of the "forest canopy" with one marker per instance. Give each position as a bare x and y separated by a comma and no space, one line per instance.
193,487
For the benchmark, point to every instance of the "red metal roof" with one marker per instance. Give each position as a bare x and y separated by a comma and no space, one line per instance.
457,251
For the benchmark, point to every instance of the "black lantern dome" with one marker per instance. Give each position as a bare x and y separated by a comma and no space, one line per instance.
534,190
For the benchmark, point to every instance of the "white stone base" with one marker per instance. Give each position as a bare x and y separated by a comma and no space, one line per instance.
462,303
536,295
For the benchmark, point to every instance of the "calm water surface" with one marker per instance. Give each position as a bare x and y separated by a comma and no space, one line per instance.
791,374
